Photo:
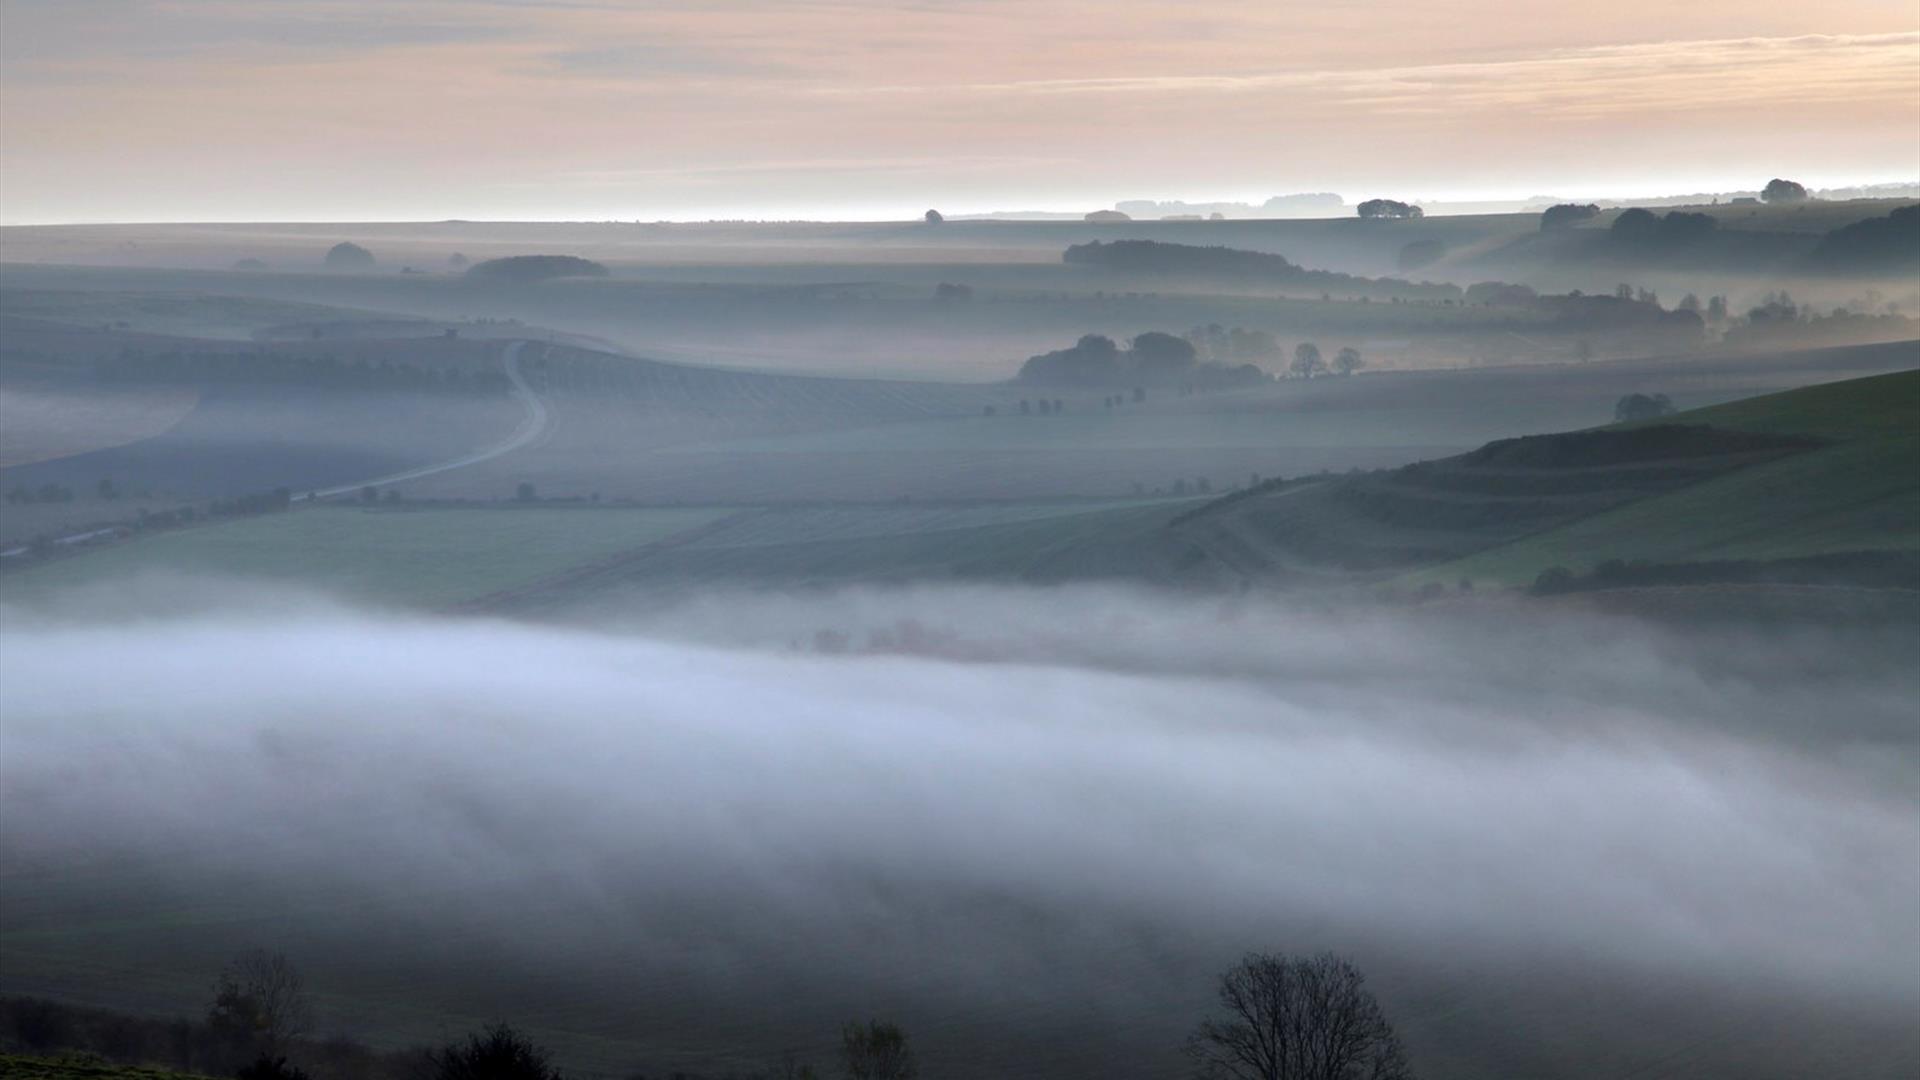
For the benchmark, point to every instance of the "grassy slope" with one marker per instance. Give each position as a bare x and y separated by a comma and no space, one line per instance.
16,1067
433,556
1860,494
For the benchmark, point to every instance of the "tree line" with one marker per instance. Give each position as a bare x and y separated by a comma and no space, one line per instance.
1275,1017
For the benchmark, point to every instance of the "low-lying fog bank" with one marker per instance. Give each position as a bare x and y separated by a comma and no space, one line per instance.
1030,825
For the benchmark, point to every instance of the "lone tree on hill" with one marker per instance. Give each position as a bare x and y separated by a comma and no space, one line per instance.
1347,360
259,999
1783,191
935,217
1297,1018
1641,407
347,255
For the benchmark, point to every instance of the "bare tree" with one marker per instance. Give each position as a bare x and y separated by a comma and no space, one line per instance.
877,1050
260,998
1297,1018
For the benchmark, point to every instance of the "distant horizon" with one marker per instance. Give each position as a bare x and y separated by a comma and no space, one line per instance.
881,217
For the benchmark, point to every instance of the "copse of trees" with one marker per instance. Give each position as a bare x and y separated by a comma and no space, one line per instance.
532,269
347,255
1566,215
1642,407
1644,228
1783,191
1297,1018
1389,208
1153,358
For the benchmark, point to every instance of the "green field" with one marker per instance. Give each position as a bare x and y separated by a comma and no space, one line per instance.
544,556
1823,470
401,556
1860,494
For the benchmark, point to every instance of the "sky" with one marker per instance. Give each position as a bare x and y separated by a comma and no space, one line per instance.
184,110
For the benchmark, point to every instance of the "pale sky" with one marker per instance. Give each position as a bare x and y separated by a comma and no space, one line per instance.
221,110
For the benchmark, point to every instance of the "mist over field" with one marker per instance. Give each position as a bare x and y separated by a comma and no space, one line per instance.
1029,824
864,540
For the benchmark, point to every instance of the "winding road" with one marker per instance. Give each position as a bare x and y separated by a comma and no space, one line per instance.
532,426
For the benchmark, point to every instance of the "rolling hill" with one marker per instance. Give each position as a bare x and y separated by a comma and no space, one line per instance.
1810,474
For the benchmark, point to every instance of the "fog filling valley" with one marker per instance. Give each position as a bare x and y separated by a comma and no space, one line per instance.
1030,824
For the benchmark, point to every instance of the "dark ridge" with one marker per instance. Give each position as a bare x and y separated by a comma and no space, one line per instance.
1155,257
1609,446
528,269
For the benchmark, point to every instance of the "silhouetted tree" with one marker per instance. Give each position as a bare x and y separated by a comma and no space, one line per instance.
523,492
1297,1018
348,256
1636,224
259,999
1158,353
498,1053
1641,407
935,217
1306,360
1566,215
1388,208
1783,191
1347,360
877,1050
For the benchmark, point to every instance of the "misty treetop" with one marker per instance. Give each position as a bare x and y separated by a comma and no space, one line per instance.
1151,359
348,255
1566,215
1389,208
1784,191
1678,227
531,269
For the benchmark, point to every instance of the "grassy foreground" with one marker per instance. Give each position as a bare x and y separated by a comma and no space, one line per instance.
14,1067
